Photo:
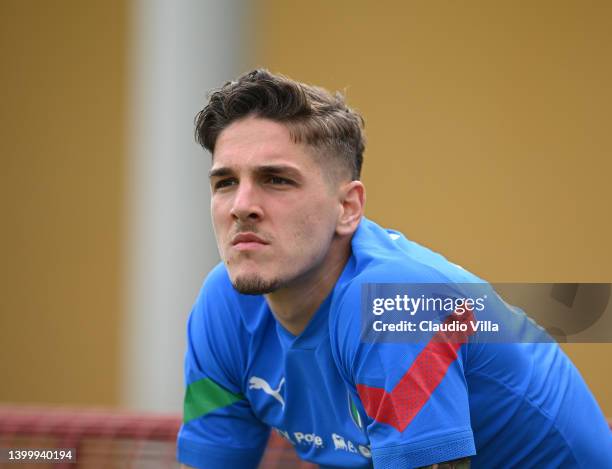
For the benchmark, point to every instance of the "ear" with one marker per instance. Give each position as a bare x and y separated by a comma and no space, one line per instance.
352,202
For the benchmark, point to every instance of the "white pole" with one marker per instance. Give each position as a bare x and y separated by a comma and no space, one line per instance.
179,50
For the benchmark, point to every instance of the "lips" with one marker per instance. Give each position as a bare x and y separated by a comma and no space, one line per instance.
247,240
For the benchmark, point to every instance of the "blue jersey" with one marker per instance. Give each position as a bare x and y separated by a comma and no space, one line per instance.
345,402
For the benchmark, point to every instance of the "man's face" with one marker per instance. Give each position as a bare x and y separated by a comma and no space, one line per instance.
274,212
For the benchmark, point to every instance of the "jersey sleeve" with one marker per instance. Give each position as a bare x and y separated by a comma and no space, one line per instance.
219,429
414,395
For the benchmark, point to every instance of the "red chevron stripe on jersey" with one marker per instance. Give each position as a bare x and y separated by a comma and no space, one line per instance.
401,405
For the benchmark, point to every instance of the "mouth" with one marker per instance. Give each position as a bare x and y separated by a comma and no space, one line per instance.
248,242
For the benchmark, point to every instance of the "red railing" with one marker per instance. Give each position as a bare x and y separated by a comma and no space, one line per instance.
106,439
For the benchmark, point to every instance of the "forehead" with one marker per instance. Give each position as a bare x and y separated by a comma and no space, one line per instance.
254,141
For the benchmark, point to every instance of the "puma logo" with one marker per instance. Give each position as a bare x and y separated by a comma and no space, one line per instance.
260,383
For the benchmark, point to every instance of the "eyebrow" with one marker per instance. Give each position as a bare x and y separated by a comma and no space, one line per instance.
264,169
218,172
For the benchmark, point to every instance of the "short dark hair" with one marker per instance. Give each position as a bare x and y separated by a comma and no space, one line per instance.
313,115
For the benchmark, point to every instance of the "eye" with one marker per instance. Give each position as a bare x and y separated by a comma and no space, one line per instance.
222,183
279,181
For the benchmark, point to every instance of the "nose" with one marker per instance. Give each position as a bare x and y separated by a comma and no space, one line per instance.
246,205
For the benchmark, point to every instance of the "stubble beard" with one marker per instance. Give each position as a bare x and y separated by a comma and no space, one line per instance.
252,283
255,285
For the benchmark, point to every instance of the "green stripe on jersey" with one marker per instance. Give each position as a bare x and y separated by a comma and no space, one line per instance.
204,396
355,413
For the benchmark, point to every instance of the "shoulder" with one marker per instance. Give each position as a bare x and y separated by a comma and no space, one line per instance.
219,304
381,256
220,332
388,255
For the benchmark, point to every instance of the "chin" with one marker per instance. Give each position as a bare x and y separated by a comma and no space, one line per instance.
254,284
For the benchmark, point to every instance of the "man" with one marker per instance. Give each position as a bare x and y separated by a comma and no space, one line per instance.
275,337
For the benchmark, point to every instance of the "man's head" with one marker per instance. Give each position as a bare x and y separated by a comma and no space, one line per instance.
312,115
285,192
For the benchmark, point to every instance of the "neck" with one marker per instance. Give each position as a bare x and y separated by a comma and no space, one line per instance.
295,305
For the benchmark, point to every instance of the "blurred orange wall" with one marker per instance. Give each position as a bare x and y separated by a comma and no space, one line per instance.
62,148
488,125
